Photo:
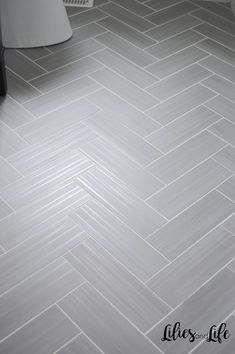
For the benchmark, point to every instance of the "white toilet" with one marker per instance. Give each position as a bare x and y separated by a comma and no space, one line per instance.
33,23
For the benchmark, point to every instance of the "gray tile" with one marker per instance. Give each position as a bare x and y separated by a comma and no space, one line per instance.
86,17
134,6
171,12
187,228
35,294
5,210
194,267
182,129
126,49
216,8
125,68
223,106
180,104
229,224
126,114
129,18
225,130
170,29
46,333
223,87
175,44
126,32
10,142
178,82
66,74
73,10
176,62
70,54
226,157
19,89
80,345
121,288
189,188
104,324
228,188
217,50
12,113
44,247
35,53
216,34
124,88
124,244
161,4
110,192
198,312
108,128
185,157
126,170
22,66
219,67
8,173
61,96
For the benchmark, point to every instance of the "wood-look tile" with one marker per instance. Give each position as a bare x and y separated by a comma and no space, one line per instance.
172,28
185,157
229,224
126,32
226,157
107,127
223,87
36,294
228,188
189,188
110,192
8,173
210,305
223,106
121,288
126,114
86,17
225,130
124,244
104,324
171,12
135,21
216,8
194,267
22,66
5,209
161,4
231,266
126,49
180,104
80,344
124,88
216,34
195,222
125,68
134,6
35,53
217,50
178,82
49,331
175,44
182,129
219,67
138,180
61,96
10,142
13,114
70,54
176,62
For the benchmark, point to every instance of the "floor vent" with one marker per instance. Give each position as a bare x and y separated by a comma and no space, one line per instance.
79,3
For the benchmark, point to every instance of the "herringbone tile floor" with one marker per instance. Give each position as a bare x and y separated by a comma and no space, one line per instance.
117,185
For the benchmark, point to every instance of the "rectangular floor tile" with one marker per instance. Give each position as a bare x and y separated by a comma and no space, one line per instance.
192,186
229,224
178,82
125,68
187,228
124,88
180,104
176,62
172,28
19,89
223,106
161,4
110,192
198,312
126,170
8,173
108,128
217,50
126,32
226,157
228,188
5,209
104,324
194,267
10,141
122,289
216,34
219,67
80,344
185,157
225,130
134,6
35,53
126,114
86,17
126,49
125,245
61,96
175,44
216,8
223,87
171,13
